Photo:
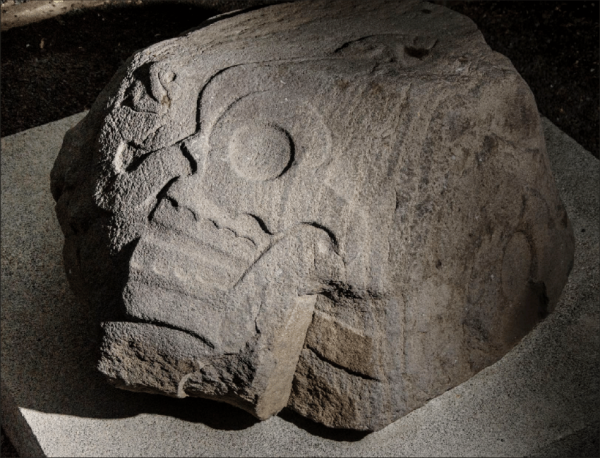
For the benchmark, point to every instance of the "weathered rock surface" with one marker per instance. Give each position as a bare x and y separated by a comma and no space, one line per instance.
342,207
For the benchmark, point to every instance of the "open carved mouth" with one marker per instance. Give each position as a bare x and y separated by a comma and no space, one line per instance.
196,302
200,252
198,274
184,271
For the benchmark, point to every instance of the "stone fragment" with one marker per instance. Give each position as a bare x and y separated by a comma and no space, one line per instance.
342,207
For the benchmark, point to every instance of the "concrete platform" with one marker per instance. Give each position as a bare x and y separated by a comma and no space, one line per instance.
542,399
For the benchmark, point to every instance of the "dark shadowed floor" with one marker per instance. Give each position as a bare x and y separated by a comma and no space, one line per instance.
57,67
554,46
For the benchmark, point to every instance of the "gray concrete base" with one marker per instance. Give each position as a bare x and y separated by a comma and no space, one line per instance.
541,399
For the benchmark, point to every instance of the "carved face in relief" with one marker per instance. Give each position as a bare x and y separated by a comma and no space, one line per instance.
270,208
287,220
236,251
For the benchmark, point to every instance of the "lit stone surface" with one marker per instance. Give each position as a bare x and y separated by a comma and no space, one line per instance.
341,207
541,399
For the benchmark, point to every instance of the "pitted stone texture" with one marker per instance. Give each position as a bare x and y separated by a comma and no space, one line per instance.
342,207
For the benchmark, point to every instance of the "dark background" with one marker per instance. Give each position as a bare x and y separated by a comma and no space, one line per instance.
55,68
554,45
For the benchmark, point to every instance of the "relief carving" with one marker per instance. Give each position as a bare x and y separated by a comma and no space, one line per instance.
324,206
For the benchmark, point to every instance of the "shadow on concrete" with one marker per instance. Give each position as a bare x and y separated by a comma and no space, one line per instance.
340,435
58,372
61,377
583,443
64,351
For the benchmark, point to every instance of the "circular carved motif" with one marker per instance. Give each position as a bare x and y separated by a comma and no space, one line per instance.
259,151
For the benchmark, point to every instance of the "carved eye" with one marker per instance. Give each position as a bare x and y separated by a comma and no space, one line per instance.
263,139
260,151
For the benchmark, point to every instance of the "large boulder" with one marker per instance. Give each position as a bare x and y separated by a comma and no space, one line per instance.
342,207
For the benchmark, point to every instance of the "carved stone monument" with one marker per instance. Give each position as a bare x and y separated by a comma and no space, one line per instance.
342,207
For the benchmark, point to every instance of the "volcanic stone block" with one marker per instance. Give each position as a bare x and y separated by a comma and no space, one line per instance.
342,207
